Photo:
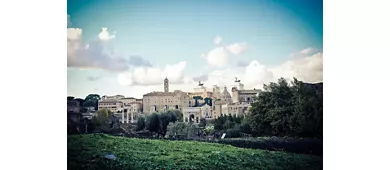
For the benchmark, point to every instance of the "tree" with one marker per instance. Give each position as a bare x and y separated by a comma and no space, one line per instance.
182,129
219,122
153,123
81,101
141,124
102,120
92,100
202,122
288,110
177,113
175,129
165,118
69,98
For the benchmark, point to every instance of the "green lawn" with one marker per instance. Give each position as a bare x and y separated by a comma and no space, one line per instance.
88,151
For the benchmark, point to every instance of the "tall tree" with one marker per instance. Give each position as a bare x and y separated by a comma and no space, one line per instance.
92,100
153,123
283,109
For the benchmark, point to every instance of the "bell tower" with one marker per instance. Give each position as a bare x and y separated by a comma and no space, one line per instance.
166,85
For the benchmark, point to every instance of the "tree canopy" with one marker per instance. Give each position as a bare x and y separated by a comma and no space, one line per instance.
92,100
288,110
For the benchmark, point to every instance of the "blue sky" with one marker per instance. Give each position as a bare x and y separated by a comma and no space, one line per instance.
270,35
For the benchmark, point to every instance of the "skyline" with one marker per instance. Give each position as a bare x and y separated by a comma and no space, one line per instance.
212,42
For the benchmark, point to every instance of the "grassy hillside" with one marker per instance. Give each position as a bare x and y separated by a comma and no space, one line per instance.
88,151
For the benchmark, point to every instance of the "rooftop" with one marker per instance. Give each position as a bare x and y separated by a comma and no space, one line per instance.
128,98
109,101
176,92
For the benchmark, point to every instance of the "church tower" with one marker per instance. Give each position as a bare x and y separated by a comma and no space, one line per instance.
166,85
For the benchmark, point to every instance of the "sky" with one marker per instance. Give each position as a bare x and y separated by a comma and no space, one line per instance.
128,47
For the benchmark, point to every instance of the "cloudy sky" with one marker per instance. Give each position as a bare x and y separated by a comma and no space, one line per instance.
128,47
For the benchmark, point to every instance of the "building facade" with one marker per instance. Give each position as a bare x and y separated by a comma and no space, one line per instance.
114,106
126,108
244,96
161,101
196,113
235,109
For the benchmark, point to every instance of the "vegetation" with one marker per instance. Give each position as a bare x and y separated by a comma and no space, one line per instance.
104,121
88,151
284,110
158,122
92,100
279,110
141,123
181,129
202,122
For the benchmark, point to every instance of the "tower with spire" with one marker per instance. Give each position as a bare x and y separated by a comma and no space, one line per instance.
166,85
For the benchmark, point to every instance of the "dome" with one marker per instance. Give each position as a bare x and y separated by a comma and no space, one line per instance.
225,96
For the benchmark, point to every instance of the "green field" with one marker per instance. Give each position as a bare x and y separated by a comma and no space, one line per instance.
88,151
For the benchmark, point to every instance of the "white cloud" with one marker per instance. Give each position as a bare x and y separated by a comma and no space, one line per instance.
105,35
218,57
149,76
307,51
92,55
217,40
74,34
256,75
237,48
307,68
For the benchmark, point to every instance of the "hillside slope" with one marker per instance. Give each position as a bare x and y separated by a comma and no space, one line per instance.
88,151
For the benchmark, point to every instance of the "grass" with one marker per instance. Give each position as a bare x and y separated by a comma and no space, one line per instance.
88,151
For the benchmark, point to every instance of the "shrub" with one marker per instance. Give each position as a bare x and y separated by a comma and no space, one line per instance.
141,124
302,146
233,133
181,129
102,120
202,122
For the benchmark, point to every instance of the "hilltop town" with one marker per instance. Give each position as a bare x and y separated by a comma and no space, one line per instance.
201,103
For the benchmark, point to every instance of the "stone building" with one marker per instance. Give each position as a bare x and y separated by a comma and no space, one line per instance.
162,101
240,95
235,109
239,102
217,108
111,105
201,91
196,113
125,108
225,96
131,111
